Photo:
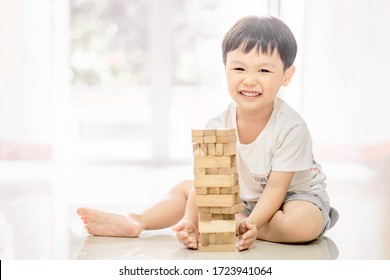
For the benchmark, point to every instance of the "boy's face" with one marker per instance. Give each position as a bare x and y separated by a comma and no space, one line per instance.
254,79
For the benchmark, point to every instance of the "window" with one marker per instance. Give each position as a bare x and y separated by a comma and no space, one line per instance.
144,73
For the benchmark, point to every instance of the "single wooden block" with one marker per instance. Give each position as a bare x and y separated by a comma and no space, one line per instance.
204,210
214,226
203,149
227,216
227,170
219,149
229,149
237,198
218,248
217,190
205,216
216,180
211,171
197,139
236,208
201,190
229,238
219,238
210,139
209,132
212,238
216,210
195,149
215,200
213,190
226,139
221,216
211,149
197,132
226,132
233,160
229,190
199,171
204,239
214,161
216,216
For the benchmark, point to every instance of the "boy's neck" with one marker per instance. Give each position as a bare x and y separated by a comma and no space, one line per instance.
254,117
251,123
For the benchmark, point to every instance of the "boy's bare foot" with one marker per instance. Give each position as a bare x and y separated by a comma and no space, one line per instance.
187,234
109,224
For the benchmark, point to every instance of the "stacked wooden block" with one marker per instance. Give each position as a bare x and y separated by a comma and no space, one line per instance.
217,188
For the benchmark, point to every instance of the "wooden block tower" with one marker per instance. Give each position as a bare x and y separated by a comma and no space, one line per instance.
217,188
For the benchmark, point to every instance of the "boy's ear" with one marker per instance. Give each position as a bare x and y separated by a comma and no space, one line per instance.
288,74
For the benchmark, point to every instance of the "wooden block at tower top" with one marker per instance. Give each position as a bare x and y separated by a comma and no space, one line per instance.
197,133
214,135
209,132
226,132
203,132
214,132
226,139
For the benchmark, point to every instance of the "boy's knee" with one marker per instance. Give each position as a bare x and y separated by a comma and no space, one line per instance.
304,229
184,187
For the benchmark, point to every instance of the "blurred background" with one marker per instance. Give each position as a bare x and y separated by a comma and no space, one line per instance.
119,80
92,92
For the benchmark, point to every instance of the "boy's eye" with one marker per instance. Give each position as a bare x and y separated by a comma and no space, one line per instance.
264,71
238,69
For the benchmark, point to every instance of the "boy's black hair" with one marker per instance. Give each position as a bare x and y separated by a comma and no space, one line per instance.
263,33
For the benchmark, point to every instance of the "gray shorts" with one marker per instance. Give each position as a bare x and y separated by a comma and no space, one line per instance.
330,214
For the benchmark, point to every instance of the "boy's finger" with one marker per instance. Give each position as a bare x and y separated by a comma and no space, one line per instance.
181,234
250,234
249,225
242,228
178,227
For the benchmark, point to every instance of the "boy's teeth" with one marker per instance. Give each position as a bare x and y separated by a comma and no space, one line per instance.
250,94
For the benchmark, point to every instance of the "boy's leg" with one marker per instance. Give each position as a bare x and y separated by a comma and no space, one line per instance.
164,214
297,221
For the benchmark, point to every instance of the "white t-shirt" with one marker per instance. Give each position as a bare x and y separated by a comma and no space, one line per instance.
283,145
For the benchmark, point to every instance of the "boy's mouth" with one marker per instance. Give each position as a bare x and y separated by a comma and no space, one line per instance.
248,93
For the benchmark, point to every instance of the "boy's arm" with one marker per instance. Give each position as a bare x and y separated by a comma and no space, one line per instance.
272,197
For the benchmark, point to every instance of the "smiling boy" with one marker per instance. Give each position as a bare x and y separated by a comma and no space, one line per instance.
281,185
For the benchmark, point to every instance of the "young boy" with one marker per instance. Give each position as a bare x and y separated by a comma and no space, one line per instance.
281,185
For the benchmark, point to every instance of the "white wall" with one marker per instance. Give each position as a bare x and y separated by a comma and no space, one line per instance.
346,90
25,71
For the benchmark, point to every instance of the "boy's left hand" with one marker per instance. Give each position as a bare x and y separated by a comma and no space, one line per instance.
247,234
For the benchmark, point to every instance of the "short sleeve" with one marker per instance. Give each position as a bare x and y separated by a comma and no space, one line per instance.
214,124
226,119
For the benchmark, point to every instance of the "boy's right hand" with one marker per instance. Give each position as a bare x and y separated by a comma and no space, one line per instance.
247,232
187,234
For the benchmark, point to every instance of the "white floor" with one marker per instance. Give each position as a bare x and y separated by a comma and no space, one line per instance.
38,219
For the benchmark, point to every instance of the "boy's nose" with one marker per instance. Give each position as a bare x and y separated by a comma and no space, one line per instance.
250,80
